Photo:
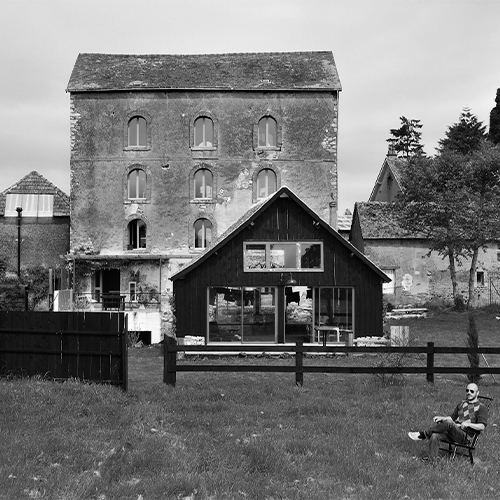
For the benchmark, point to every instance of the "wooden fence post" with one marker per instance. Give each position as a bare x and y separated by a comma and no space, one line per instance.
430,361
170,361
299,364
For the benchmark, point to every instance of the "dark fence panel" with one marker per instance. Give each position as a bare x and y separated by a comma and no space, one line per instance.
171,368
62,345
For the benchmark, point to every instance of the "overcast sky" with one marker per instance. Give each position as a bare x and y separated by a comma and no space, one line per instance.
424,59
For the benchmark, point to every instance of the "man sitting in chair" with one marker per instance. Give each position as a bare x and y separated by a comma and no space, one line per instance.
468,417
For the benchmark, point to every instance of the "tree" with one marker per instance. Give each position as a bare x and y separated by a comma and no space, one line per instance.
452,200
494,133
406,140
465,136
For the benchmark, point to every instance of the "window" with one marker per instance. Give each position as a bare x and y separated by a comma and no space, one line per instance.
267,132
293,256
137,132
137,184
203,132
480,278
389,288
203,180
132,293
334,307
33,205
137,234
202,233
266,183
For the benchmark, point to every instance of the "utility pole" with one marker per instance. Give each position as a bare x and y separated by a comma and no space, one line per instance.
19,211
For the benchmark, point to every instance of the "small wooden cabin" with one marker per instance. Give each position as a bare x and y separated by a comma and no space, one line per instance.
280,274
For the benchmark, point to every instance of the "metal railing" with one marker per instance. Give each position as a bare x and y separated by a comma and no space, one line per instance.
117,301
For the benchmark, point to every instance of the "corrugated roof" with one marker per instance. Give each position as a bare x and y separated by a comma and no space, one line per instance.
253,71
35,183
254,211
378,220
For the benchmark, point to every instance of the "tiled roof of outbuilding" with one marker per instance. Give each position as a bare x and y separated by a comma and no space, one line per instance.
35,183
378,220
253,71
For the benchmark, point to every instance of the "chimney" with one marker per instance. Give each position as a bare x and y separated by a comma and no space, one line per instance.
391,150
333,214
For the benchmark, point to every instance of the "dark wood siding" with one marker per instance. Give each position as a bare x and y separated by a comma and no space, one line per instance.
284,220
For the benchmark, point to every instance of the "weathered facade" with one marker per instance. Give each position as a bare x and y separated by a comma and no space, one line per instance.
280,274
44,221
168,151
417,276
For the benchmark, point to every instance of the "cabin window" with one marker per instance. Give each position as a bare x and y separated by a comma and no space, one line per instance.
333,309
137,132
280,256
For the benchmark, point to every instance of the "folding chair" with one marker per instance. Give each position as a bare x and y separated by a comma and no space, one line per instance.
467,448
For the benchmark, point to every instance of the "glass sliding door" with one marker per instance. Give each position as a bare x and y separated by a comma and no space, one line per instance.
242,314
224,314
333,313
259,315
298,314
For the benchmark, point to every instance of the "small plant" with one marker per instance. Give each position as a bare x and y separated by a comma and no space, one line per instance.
132,338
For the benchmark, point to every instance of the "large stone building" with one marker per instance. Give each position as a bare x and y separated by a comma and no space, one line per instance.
167,151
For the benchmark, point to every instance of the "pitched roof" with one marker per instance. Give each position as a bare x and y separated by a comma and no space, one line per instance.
395,165
377,220
251,214
253,71
35,183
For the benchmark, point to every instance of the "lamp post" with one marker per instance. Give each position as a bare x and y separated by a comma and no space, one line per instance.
19,211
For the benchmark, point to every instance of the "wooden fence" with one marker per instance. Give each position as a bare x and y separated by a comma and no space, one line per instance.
63,345
171,367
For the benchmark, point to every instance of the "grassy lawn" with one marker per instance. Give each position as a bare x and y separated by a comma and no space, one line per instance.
244,436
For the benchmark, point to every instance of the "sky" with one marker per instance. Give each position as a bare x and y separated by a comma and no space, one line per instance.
422,59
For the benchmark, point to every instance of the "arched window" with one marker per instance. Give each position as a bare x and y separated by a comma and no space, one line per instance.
203,180
137,184
203,132
266,183
267,132
137,132
137,234
202,233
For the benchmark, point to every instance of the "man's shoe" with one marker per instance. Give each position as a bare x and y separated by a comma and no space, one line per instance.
416,436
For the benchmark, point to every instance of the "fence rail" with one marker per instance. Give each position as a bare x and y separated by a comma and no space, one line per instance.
171,367
62,345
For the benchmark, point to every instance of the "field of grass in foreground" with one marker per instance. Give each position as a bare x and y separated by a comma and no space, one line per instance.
242,436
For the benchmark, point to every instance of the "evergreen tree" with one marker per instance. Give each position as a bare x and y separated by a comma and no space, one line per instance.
405,140
494,134
465,136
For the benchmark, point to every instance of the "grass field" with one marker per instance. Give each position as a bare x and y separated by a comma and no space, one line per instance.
244,436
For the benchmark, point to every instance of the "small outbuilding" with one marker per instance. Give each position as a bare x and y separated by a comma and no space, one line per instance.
280,274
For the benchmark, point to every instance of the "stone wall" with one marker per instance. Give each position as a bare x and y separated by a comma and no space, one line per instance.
420,278
305,161
43,241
